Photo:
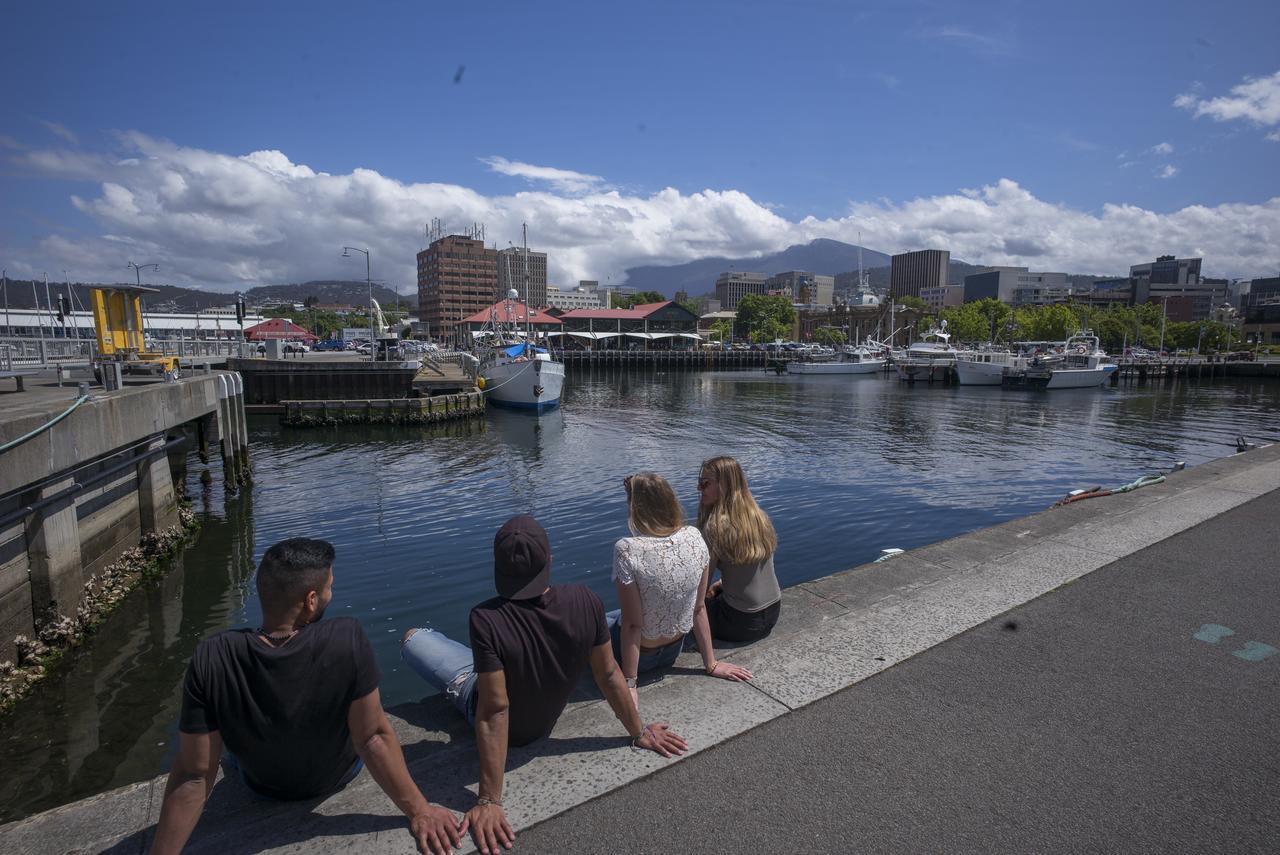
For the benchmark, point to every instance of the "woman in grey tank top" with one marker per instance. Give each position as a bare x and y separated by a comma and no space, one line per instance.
743,605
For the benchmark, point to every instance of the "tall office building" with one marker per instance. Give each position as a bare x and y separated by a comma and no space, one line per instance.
457,277
911,271
511,274
1177,283
1016,286
733,285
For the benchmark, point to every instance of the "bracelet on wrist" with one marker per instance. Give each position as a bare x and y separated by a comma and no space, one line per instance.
485,800
711,669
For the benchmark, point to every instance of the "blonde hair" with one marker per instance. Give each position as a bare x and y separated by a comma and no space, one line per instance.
735,528
652,506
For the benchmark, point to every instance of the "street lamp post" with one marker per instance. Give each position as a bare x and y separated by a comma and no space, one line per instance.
1164,312
138,268
368,278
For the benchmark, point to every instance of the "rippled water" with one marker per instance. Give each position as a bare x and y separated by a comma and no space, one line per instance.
846,466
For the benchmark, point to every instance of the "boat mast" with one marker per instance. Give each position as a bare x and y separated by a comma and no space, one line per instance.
528,311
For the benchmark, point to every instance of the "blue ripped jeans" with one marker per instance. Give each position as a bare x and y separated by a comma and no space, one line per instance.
446,665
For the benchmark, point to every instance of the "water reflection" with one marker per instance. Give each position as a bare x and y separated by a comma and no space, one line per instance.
846,467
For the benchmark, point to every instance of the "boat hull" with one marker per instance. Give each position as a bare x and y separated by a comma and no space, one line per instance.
1081,378
930,371
869,366
979,373
534,384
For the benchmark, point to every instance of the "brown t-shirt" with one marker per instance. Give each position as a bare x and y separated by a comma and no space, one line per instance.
543,646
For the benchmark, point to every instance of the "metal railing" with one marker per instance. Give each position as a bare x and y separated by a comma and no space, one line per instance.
28,352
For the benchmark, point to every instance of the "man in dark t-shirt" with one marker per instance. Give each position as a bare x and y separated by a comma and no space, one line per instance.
529,647
296,703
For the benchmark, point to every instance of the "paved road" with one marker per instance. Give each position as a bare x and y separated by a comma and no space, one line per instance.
1089,720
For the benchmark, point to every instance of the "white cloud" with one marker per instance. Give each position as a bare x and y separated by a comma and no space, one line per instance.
996,44
564,180
1274,136
1161,148
1167,171
59,129
222,221
1257,100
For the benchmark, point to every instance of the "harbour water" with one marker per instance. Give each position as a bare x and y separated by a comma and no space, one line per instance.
846,466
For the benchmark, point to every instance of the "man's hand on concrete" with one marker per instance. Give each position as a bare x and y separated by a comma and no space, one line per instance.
660,739
489,828
436,830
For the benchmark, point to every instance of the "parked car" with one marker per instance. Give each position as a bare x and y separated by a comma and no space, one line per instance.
330,344
295,347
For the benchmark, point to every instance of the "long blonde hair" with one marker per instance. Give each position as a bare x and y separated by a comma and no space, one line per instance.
652,506
735,528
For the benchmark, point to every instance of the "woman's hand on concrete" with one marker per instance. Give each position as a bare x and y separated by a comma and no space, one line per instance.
731,672
436,830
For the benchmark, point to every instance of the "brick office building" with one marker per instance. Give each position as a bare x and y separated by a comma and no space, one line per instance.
457,277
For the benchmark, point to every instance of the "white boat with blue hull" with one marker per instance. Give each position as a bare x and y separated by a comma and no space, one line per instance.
1082,364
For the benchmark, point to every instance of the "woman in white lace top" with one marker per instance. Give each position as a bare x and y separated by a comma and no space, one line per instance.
661,576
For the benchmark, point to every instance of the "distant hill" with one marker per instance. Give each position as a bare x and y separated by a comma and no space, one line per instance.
822,256
353,293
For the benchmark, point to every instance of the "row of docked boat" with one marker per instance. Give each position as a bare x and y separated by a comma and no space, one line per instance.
1079,362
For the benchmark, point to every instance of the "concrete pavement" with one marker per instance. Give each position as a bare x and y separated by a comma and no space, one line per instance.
1133,710
835,632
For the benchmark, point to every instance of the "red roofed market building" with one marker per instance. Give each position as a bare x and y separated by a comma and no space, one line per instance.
650,326
514,312
278,328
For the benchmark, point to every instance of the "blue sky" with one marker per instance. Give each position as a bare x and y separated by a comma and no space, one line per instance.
804,119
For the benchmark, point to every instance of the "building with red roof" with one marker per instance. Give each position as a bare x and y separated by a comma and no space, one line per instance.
512,312
278,328
666,326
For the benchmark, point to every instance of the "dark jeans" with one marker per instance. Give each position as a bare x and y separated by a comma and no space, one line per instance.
729,624
231,763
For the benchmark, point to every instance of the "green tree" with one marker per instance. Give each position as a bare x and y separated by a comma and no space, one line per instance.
830,336
766,318
911,302
722,330
967,323
1049,323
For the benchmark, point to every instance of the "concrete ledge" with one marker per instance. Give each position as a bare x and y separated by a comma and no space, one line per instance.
834,632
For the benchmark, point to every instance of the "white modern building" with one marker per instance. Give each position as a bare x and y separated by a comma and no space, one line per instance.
576,298
207,324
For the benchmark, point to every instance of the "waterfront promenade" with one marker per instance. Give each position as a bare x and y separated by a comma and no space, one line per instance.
1099,718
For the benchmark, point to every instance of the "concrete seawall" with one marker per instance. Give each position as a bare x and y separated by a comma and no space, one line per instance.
76,496
834,632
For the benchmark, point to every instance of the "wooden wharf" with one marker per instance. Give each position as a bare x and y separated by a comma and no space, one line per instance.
692,360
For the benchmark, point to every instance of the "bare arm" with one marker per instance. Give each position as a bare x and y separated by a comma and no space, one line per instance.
702,633
434,828
190,782
655,737
488,820
631,628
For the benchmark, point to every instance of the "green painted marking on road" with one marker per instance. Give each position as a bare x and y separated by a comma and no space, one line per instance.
1255,651
1213,633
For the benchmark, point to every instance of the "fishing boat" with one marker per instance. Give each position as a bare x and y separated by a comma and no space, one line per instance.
1081,364
854,360
931,358
986,367
513,371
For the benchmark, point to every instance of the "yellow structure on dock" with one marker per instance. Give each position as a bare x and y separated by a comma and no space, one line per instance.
117,322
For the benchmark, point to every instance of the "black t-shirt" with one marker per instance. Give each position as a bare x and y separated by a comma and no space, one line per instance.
543,645
282,710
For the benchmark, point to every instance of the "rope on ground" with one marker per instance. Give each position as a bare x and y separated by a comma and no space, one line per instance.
14,443
1096,492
